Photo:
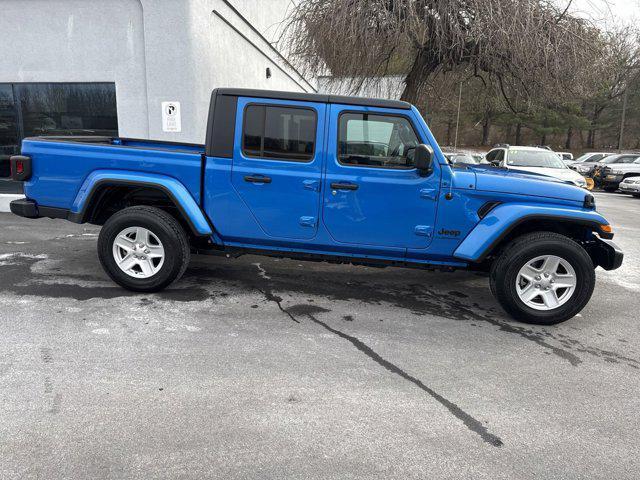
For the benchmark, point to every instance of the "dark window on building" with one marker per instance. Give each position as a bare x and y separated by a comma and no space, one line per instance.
369,140
40,109
8,128
279,133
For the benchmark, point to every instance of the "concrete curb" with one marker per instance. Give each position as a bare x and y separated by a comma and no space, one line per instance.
6,199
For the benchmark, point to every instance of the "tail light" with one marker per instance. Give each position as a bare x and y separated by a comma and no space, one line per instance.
20,167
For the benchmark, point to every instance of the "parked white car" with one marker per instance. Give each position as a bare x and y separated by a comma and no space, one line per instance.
534,160
631,185
566,157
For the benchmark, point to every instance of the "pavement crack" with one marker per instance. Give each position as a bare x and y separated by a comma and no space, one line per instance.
268,293
469,421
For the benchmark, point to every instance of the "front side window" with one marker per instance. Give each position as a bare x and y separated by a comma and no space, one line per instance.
370,140
279,133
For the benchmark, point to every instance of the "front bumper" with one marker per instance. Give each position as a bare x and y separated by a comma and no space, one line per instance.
610,180
630,187
605,254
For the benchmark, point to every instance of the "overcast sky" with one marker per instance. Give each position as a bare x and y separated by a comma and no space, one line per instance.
607,11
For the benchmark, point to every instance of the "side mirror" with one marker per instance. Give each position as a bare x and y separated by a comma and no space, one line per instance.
424,159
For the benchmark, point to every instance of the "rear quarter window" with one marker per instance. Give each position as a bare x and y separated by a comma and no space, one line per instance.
279,133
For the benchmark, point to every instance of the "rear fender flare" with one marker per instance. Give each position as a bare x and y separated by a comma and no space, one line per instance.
493,228
173,188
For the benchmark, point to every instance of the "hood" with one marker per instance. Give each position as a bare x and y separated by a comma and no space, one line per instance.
501,180
586,164
564,174
624,167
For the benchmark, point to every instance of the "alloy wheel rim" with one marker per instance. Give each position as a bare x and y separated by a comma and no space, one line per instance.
546,282
138,252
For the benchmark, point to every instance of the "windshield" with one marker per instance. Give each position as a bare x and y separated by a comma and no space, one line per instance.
589,157
534,158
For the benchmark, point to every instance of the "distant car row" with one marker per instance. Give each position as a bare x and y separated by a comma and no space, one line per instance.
538,160
606,170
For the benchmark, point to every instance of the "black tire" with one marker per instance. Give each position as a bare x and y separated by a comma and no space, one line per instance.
636,195
505,268
165,228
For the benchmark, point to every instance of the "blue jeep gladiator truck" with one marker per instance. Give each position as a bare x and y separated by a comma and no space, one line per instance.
320,177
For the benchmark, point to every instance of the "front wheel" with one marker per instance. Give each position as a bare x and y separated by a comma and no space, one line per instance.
143,249
543,278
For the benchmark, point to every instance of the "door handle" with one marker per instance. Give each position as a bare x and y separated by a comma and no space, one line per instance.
344,186
257,179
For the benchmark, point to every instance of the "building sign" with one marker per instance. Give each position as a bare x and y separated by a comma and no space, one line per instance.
171,120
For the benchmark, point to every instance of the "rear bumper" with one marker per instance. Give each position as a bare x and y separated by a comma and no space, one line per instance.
24,207
606,254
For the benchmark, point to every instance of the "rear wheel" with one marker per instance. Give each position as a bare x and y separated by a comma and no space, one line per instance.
143,249
543,278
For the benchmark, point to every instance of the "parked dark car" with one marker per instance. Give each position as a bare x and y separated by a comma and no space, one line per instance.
612,175
603,172
593,169
585,163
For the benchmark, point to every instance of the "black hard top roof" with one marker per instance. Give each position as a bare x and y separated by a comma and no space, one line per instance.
313,97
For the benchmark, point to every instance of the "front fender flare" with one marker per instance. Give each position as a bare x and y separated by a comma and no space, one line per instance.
504,218
172,187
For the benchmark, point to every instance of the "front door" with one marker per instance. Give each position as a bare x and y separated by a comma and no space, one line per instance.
277,167
373,194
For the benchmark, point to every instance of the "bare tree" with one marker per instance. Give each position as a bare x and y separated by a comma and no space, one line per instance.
524,47
618,65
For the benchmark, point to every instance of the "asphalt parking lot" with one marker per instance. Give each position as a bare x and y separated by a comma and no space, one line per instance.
265,368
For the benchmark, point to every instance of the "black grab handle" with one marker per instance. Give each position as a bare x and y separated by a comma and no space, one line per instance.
344,186
252,179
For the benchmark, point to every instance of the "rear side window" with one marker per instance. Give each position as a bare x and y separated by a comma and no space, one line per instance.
279,133
370,140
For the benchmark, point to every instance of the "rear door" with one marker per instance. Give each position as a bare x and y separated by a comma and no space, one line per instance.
373,194
277,166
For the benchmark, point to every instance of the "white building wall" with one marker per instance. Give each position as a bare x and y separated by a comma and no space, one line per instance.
154,51
78,41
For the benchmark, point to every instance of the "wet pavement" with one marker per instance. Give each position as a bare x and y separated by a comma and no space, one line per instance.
267,368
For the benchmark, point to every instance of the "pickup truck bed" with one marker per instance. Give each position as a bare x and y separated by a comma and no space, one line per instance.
78,157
